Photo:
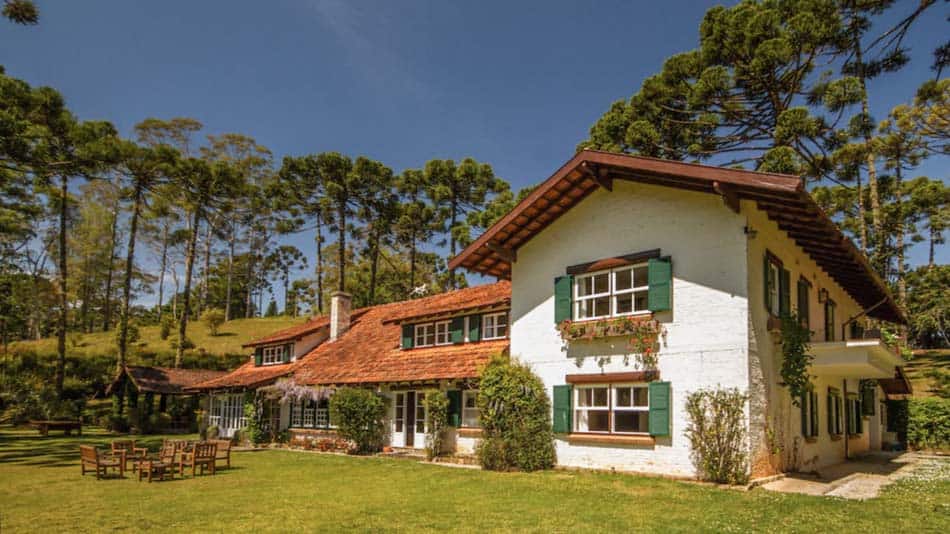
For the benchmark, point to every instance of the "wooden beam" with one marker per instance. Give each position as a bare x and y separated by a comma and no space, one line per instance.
599,175
507,254
729,196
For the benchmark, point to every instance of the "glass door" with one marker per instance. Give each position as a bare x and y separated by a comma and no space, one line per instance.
419,422
399,420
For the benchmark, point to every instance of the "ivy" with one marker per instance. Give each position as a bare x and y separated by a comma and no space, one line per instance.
437,412
795,357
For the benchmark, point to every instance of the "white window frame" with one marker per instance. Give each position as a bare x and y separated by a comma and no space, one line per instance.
775,272
296,414
443,332
611,407
423,332
612,292
470,414
272,355
491,325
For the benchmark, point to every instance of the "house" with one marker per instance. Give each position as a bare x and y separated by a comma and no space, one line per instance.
701,262
400,350
136,386
715,256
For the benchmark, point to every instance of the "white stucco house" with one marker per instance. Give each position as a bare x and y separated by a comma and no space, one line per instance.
715,256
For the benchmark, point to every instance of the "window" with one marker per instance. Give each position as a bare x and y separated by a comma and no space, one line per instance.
495,325
809,407
615,409
772,298
829,320
620,291
310,414
296,414
429,334
442,334
804,287
834,412
272,355
470,408
854,415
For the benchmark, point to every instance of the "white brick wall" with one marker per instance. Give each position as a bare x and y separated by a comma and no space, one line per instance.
707,334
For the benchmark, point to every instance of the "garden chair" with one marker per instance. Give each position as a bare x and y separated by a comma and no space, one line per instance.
200,456
132,453
223,453
101,461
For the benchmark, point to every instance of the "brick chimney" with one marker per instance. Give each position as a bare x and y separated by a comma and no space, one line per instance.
339,313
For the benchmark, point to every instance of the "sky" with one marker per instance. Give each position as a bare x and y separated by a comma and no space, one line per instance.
513,84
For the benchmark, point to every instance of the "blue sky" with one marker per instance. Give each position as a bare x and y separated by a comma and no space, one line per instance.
514,84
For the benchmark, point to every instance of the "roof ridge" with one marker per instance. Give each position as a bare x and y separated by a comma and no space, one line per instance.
694,164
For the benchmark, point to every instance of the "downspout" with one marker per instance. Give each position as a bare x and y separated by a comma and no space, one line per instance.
858,316
847,416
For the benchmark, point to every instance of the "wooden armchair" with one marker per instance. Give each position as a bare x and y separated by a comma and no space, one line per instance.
223,453
100,462
201,455
132,453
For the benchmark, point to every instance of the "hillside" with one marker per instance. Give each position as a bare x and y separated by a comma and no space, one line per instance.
923,362
150,346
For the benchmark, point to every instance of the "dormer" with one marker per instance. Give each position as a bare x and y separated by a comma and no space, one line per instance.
273,354
470,328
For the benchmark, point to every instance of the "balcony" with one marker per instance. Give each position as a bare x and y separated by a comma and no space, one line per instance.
855,358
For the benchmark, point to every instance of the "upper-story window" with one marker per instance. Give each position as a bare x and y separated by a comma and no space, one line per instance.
272,355
429,334
829,320
804,288
495,325
620,291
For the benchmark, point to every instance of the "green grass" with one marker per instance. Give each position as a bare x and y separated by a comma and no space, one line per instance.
275,490
922,362
228,341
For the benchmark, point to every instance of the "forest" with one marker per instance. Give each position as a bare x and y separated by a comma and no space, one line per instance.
169,225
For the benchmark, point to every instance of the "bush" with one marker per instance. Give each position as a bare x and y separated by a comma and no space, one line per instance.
165,326
131,336
186,344
359,415
717,434
515,415
437,411
213,319
928,423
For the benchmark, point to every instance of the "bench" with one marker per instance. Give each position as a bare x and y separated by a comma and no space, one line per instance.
223,453
202,456
100,462
66,426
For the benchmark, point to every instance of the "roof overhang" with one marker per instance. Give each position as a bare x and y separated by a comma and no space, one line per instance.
415,318
864,358
782,197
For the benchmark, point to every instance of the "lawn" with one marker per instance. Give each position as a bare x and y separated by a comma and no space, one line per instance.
276,490
231,336
923,362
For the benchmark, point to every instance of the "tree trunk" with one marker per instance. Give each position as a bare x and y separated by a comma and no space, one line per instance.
930,255
107,312
189,269
203,301
175,297
899,238
452,284
83,321
287,295
161,278
373,267
877,225
63,298
227,290
127,282
412,263
319,239
249,282
341,245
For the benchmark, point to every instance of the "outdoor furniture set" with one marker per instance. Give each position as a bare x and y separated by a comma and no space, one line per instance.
173,455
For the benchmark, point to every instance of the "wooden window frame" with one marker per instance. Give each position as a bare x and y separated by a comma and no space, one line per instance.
610,408
612,292
494,327
775,296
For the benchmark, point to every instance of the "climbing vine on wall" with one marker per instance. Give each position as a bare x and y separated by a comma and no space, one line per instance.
437,412
795,357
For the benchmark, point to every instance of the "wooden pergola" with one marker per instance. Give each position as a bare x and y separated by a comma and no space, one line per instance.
782,197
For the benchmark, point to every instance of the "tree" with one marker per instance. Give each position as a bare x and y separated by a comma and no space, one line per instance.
931,200
457,190
928,304
213,318
282,261
377,211
22,12
342,187
271,309
416,220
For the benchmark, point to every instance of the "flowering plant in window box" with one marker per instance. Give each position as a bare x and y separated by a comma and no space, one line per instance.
644,334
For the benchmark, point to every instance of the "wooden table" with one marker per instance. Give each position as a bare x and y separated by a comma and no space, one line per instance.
66,426
153,468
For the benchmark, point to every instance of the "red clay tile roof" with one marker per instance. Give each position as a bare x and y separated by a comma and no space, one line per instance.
293,332
166,380
370,350
247,376
782,196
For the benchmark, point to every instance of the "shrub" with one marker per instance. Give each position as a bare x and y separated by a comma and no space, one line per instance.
132,334
928,423
717,434
437,411
359,415
213,319
515,415
165,326
186,344
255,429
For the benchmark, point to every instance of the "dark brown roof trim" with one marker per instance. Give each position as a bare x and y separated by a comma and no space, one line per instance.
614,378
610,263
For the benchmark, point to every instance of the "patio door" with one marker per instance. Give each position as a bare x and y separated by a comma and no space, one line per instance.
227,413
409,420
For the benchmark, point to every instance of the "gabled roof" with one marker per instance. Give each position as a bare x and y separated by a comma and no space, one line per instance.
164,380
292,333
247,376
782,197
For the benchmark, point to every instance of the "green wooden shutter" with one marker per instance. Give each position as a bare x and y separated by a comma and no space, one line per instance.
455,407
831,414
474,327
806,429
784,293
858,418
814,413
766,270
867,401
803,306
563,298
288,350
659,408
258,356
407,336
457,329
659,276
562,409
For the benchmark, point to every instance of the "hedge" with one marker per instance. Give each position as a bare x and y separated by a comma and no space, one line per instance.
928,423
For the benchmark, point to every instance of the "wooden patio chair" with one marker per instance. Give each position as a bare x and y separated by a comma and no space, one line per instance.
132,453
200,456
223,453
100,461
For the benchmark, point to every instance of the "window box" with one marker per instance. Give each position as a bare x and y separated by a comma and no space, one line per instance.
465,432
644,334
610,439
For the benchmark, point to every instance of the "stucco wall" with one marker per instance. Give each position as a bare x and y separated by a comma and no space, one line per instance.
309,342
776,423
706,342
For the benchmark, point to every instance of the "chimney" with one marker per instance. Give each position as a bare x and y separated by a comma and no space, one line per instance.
339,314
